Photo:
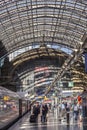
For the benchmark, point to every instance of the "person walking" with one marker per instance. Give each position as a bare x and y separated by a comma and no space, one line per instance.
44,113
76,111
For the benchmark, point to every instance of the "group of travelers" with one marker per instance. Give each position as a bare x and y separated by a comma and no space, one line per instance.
65,110
39,109
76,109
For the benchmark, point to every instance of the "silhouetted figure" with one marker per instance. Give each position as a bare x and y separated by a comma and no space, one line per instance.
44,113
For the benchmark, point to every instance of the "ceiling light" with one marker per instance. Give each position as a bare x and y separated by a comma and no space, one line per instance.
75,50
81,43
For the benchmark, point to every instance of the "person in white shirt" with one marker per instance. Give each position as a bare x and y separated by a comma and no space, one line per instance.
63,109
76,110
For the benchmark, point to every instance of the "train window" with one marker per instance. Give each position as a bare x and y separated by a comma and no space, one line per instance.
9,106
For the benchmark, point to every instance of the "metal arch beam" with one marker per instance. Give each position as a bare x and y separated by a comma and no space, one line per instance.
75,55
65,19
61,29
40,50
56,40
60,43
36,55
39,84
71,26
40,80
28,72
26,9
48,30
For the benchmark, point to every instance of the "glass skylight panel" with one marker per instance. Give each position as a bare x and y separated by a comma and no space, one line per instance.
80,6
23,16
40,2
6,40
11,7
3,12
82,20
48,20
23,2
1,2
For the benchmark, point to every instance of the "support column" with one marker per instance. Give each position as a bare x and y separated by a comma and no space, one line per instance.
84,106
20,107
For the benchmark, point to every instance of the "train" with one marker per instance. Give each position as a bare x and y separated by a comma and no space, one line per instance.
12,107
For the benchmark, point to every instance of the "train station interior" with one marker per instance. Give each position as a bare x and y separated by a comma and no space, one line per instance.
43,62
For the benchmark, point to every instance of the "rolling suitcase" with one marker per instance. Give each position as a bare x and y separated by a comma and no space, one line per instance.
33,118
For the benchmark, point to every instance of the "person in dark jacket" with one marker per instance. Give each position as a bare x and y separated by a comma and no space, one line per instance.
36,110
44,113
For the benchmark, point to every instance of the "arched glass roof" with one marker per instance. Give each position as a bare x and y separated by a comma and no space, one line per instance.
58,24
25,22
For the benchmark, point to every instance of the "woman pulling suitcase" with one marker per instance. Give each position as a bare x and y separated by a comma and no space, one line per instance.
35,113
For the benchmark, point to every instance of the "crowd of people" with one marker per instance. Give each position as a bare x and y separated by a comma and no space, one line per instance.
40,109
64,111
66,108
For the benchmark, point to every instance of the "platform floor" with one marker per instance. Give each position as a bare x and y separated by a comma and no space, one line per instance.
53,123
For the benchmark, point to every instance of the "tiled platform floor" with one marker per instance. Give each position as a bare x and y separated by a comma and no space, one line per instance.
53,123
